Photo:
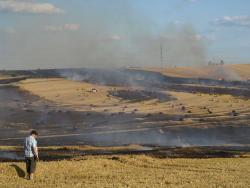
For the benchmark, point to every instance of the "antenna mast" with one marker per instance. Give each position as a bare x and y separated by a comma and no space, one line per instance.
161,54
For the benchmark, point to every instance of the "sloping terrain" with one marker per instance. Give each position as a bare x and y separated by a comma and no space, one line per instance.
121,107
229,72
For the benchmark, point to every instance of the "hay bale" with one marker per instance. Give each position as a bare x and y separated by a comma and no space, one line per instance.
209,111
234,113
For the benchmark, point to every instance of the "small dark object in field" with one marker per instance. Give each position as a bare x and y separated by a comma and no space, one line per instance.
105,110
181,119
29,110
135,110
148,115
234,113
201,119
209,111
183,108
160,113
189,111
115,158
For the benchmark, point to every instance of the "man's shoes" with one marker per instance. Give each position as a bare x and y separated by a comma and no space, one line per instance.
31,177
27,177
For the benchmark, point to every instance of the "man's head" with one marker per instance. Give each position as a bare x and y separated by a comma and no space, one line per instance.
34,133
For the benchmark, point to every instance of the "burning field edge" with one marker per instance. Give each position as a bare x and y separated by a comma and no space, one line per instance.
57,153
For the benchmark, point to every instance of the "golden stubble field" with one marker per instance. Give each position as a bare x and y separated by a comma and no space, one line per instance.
238,71
131,171
79,96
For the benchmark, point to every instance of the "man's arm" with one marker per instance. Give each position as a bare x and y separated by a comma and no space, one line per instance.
35,150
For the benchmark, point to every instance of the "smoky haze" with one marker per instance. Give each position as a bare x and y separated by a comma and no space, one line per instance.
109,34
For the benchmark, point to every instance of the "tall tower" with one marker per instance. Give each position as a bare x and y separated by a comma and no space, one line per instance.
161,54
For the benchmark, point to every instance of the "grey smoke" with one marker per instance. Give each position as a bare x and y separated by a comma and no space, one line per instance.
10,155
110,34
226,73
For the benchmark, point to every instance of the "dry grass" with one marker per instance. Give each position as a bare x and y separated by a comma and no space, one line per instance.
3,77
66,92
242,70
132,171
77,95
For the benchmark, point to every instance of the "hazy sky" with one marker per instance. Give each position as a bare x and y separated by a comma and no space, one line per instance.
80,33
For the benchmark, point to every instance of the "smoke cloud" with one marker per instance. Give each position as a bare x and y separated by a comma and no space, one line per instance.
110,34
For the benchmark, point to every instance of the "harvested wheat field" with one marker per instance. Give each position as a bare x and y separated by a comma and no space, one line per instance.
131,171
231,72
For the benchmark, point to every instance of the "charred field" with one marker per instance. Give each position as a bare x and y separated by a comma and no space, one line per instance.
122,107
125,128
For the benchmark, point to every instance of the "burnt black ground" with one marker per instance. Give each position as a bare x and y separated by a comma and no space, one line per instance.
47,154
20,112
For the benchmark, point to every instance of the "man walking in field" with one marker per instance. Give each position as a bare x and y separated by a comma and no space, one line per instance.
31,154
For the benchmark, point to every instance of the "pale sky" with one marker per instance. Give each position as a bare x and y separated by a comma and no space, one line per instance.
83,33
